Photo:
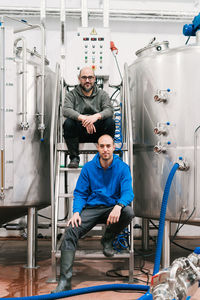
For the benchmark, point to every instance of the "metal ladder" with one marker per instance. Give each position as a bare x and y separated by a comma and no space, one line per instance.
58,147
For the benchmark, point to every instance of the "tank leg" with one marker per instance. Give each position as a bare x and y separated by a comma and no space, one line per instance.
166,246
131,253
145,234
32,238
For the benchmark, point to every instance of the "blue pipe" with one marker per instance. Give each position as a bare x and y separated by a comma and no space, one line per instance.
92,289
162,218
147,296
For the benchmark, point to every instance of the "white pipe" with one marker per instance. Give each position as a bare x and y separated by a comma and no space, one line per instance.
62,56
24,124
84,13
41,125
114,14
106,13
2,106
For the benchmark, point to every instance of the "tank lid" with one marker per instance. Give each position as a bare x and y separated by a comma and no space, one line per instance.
151,48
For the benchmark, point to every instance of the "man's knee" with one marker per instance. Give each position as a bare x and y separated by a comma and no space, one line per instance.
107,126
70,128
128,213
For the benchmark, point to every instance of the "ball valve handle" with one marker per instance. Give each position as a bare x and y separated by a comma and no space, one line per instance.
191,29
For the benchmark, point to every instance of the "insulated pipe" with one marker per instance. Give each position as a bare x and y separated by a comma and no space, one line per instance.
162,218
2,105
106,13
24,124
41,126
114,14
84,13
86,290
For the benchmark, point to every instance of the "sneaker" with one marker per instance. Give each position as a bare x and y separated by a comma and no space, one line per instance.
74,163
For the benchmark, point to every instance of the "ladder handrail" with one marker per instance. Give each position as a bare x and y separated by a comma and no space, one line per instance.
127,118
53,142
128,135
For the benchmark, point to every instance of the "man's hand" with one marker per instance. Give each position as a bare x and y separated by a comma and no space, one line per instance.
89,120
75,220
114,215
90,129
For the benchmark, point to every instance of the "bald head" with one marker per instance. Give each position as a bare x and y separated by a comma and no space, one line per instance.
86,70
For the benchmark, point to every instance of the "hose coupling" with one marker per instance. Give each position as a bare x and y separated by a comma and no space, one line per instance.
183,164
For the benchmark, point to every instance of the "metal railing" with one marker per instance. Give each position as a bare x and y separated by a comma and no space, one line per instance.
53,142
128,139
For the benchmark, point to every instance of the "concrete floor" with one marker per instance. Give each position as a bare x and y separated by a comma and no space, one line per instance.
17,281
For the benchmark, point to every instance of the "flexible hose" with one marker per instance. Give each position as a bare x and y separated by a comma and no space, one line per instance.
162,218
147,296
92,289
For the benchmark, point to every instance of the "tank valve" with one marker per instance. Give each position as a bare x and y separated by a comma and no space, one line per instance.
183,164
24,125
162,96
159,130
159,149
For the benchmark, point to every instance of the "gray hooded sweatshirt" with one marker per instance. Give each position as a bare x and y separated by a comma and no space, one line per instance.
77,103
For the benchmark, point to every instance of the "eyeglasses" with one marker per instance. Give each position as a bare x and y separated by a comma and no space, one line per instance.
87,77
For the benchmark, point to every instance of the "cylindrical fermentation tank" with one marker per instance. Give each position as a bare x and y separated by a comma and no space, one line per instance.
165,100
24,164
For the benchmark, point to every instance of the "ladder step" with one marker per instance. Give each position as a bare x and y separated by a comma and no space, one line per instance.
62,224
96,253
62,169
88,147
83,147
65,195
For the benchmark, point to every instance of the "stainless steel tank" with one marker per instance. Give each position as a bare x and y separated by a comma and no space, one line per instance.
165,98
24,164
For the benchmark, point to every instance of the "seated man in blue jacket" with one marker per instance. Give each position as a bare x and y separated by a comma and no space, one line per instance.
103,194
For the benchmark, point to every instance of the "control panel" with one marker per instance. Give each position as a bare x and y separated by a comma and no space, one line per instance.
90,47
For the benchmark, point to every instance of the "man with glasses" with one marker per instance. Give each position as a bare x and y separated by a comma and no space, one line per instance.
89,114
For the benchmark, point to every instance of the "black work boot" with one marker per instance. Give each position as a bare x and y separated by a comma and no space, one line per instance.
66,264
107,243
73,146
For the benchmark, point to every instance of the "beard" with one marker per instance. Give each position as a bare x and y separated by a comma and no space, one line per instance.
87,89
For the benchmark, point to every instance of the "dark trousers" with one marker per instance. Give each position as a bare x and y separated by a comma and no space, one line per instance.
73,128
90,217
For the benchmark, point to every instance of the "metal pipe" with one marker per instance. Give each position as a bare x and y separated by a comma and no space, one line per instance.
84,13
41,126
166,246
62,63
129,140
114,14
53,141
195,167
32,237
24,124
106,13
2,106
